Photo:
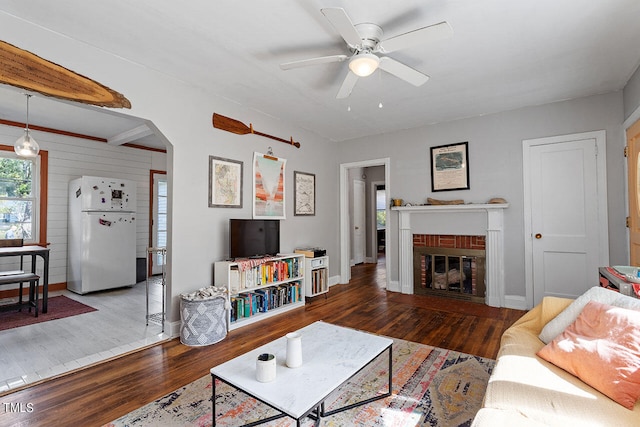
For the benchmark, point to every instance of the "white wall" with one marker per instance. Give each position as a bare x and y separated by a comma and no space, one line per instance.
182,113
632,94
71,158
495,163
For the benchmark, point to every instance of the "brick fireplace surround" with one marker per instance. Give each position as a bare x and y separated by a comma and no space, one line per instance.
449,241
494,242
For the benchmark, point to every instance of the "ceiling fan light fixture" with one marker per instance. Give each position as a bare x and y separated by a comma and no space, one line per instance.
26,146
364,64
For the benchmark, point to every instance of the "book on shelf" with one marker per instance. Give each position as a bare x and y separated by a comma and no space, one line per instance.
262,300
319,280
234,280
264,274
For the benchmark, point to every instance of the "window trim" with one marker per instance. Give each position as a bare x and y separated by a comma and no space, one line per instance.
43,197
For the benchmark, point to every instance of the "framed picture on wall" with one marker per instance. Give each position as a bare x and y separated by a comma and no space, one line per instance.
268,187
225,183
450,167
304,196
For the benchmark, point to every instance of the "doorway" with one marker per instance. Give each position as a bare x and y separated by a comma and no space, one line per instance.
119,318
358,220
346,198
565,214
378,219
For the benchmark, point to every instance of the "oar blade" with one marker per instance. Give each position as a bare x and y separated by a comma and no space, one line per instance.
230,125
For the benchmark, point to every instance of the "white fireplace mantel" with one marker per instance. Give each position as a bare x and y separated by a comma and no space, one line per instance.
494,273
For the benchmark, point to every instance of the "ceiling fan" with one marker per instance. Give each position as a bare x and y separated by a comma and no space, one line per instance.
364,42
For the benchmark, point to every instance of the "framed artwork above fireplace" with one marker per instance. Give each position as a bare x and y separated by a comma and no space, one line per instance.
450,167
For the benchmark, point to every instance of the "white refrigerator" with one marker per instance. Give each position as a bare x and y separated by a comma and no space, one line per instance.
101,234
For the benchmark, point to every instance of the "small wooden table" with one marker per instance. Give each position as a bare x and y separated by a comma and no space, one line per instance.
331,355
33,251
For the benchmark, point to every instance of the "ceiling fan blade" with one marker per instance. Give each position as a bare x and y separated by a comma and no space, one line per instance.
347,85
402,71
416,37
341,22
313,61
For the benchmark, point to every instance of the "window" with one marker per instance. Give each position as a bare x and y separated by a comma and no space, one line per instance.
160,222
381,208
21,203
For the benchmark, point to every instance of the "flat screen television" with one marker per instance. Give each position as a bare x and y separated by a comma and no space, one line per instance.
253,237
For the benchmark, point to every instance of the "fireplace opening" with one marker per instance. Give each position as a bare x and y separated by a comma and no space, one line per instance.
454,272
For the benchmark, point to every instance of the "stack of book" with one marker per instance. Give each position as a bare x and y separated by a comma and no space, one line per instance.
262,300
319,281
264,274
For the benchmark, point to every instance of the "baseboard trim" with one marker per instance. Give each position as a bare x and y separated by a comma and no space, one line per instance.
174,328
394,286
334,280
515,302
13,293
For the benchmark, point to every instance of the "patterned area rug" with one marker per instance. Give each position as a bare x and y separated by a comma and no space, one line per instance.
431,387
58,307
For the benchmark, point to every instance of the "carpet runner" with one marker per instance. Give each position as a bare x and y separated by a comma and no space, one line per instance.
431,387
59,307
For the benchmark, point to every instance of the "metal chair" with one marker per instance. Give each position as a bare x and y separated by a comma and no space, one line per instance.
19,276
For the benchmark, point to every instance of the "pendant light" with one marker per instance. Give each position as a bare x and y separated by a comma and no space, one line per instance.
26,146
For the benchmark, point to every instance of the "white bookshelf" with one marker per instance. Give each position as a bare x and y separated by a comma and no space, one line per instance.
316,278
247,283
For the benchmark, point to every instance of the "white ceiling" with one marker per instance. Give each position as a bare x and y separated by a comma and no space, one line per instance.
504,54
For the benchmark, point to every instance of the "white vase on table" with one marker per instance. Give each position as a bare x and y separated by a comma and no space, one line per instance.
294,349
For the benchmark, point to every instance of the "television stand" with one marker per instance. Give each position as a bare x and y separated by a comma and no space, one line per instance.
261,287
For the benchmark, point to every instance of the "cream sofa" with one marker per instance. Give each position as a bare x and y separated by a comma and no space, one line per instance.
525,390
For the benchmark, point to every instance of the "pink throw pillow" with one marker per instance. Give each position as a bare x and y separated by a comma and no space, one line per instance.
602,348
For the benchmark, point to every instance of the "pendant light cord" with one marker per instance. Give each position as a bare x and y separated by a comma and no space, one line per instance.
27,124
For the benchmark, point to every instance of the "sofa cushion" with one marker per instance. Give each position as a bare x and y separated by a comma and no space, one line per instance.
569,315
602,348
504,417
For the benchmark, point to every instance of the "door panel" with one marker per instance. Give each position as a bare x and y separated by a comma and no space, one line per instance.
633,168
564,218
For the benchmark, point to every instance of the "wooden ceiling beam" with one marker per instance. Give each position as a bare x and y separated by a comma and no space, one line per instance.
51,130
76,135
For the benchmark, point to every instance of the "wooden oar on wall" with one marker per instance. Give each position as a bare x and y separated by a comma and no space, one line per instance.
239,128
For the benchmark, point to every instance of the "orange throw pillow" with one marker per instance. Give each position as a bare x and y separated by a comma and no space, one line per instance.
602,348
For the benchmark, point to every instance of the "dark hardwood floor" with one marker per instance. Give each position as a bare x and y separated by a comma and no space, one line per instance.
106,391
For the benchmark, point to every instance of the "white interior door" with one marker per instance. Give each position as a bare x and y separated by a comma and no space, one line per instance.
359,219
159,223
565,216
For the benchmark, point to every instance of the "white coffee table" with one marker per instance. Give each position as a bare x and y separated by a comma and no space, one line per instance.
331,355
